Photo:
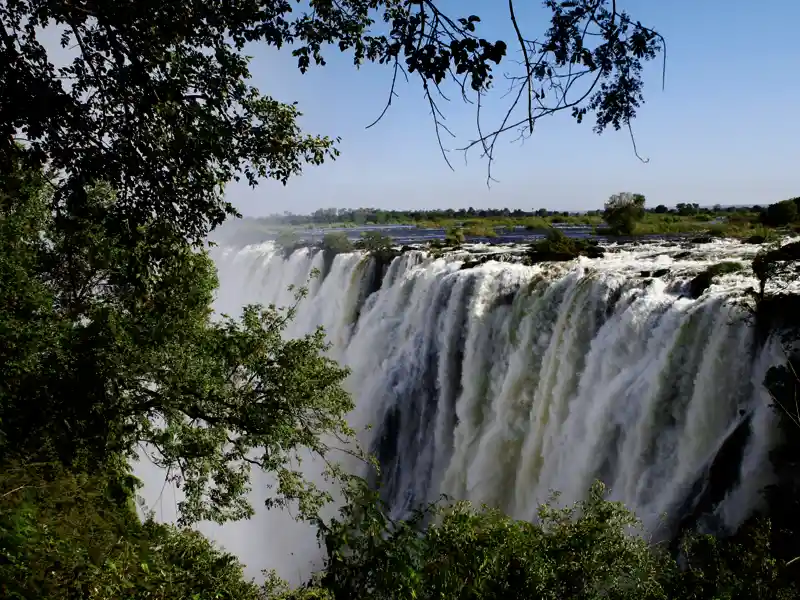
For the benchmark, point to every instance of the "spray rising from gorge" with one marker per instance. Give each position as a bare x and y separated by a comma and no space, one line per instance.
502,383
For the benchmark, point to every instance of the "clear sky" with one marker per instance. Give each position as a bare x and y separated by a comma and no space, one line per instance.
725,129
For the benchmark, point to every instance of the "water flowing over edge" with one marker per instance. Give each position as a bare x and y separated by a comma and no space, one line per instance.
502,383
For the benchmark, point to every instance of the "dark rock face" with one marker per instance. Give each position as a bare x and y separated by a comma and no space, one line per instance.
656,273
755,239
710,488
703,239
700,284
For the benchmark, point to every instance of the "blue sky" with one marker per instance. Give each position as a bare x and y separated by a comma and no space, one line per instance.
725,129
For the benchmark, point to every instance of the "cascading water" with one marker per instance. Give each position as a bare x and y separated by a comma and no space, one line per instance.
501,383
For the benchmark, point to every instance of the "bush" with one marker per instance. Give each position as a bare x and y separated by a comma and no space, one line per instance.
556,241
337,243
623,211
71,535
585,551
287,238
557,246
480,230
374,241
288,241
743,567
780,214
454,237
380,247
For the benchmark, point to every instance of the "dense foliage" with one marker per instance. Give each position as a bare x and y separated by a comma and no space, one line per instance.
623,211
592,550
73,535
557,246
377,216
454,237
114,365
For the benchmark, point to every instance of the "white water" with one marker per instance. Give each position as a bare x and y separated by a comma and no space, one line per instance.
504,382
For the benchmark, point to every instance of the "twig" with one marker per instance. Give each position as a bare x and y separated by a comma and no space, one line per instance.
527,63
16,489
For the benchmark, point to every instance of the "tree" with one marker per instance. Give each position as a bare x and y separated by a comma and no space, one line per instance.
288,240
92,366
337,242
106,289
780,214
584,551
661,209
332,244
454,237
71,535
374,241
687,209
777,315
159,104
623,211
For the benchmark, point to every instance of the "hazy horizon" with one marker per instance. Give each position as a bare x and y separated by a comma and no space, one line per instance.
479,208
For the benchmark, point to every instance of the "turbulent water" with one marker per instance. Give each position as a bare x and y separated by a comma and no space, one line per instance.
503,382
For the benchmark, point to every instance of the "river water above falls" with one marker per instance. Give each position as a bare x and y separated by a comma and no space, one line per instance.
501,383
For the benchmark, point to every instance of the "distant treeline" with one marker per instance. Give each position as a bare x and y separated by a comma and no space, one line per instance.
364,216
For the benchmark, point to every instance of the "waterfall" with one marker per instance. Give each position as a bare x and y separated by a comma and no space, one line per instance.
503,383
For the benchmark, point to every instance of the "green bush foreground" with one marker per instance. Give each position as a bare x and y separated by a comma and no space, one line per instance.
68,535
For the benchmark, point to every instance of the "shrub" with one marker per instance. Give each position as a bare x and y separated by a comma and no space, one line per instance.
557,246
288,241
380,247
480,230
374,241
780,214
454,237
337,242
623,211
585,551
72,535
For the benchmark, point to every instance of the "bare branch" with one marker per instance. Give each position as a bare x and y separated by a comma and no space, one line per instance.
528,79
633,141
585,37
392,94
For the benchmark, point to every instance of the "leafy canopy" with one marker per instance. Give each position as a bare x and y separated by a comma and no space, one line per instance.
623,211
595,549
72,535
98,360
156,100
